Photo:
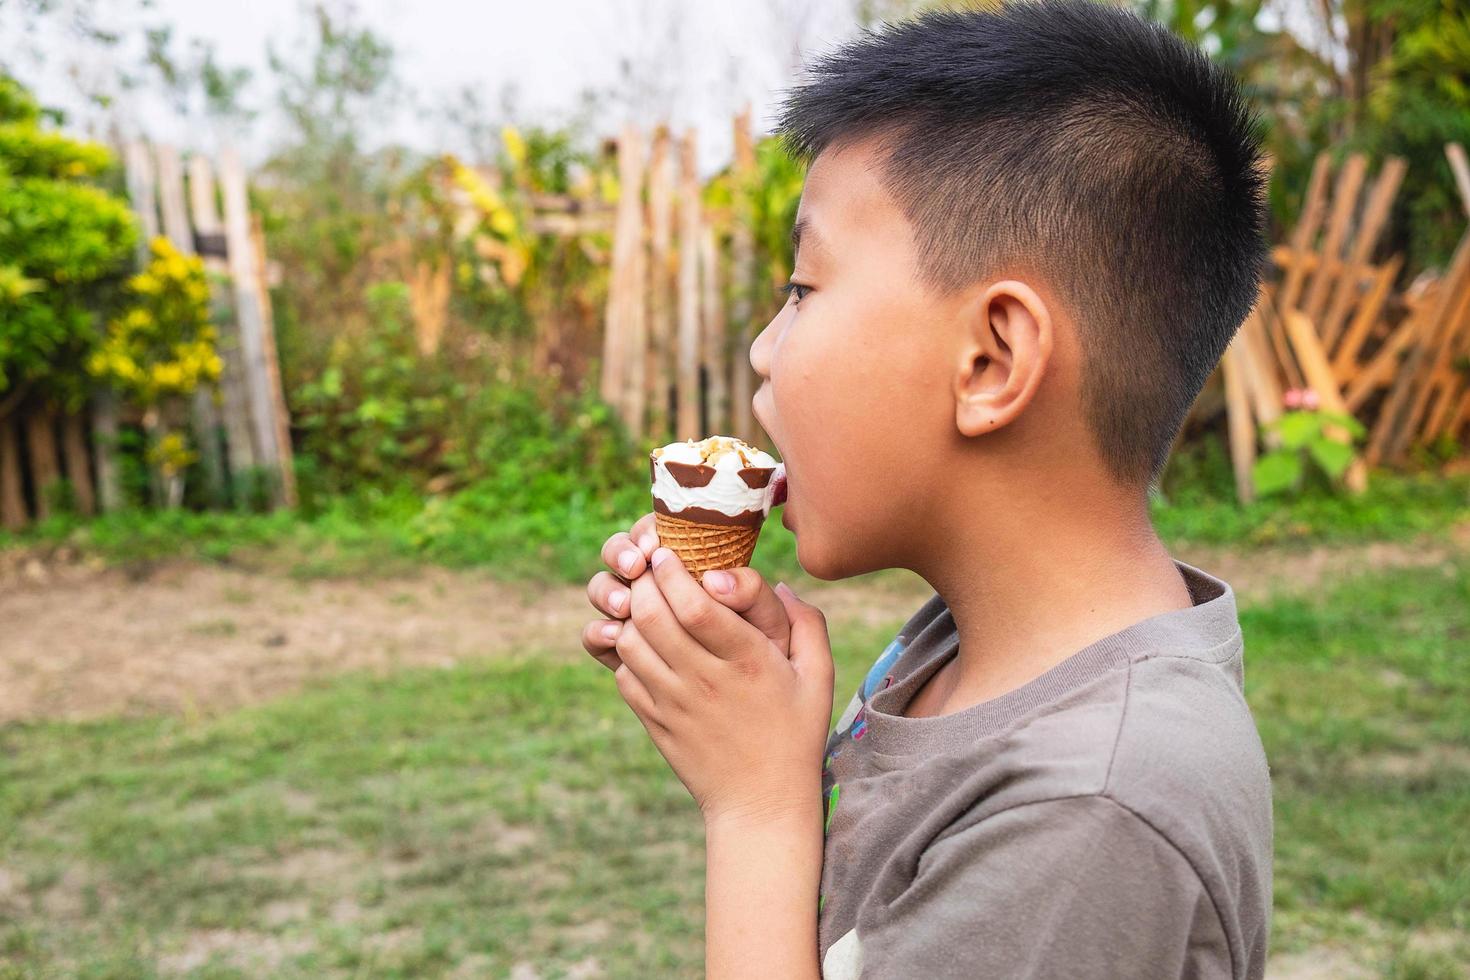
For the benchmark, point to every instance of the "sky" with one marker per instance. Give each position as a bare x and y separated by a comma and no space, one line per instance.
690,62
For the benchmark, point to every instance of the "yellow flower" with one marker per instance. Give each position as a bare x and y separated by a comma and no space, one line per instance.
515,145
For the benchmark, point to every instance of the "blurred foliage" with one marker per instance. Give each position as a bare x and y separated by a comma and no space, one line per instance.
1385,77
382,415
163,345
63,240
157,352
1418,99
1312,442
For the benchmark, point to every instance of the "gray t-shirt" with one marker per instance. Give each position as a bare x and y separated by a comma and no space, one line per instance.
1111,818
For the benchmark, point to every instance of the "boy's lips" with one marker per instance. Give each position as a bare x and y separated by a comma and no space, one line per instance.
778,487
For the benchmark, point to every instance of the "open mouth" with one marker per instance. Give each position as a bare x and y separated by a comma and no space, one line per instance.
778,487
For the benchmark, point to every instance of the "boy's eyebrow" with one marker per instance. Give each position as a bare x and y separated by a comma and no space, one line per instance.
805,228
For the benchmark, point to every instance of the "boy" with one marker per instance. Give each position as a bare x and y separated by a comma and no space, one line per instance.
1024,240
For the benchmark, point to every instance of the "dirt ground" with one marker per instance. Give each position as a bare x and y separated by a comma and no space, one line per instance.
81,641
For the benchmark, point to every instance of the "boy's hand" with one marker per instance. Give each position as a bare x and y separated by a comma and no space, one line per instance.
742,720
626,556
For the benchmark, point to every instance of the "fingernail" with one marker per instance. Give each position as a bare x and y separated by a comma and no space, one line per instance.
661,555
626,561
648,542
610,631
722,582
617,598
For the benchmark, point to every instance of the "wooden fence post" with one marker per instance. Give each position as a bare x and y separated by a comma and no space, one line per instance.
1365,239
12,498
140,191
1410,395
1313,359
235,404
181,236
250,318
104,449
742,278
622,279
140,184
279,412
689,206
1344,206
715,360
1241,426
635,359
41,447
74,449
662,264
1289,293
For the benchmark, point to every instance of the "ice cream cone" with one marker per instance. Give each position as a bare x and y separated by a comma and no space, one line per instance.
710,499
702,547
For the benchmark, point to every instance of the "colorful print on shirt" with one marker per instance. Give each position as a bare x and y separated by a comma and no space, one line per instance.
878,673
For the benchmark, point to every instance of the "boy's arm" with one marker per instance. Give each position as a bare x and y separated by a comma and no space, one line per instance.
1077,887
762,876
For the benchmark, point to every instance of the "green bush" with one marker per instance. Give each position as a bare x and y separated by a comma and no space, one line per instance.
381,416
60,239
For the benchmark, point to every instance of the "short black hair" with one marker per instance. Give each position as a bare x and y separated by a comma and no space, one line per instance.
1102,149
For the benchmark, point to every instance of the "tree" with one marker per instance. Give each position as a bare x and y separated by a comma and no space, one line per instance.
63,240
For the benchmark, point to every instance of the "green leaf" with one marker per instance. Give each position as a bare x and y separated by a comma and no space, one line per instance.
1334,457
1352,425
1298,428
1276,472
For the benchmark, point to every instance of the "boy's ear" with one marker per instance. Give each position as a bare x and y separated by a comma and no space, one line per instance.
1005,349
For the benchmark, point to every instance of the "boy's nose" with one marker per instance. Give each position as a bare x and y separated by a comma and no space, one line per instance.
760,352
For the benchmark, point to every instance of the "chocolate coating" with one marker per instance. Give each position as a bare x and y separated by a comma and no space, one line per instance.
690,475
757,477
703,515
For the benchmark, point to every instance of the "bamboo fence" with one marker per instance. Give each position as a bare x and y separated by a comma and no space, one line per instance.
680,313
241,429
1332,322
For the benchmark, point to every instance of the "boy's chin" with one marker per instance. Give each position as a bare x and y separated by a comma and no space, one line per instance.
821,563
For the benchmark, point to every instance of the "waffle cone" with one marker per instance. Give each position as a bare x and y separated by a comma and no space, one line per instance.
702,547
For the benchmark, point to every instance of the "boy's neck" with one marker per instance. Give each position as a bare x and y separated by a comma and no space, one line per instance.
1029,589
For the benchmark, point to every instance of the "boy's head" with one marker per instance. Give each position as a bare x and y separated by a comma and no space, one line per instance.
1025,239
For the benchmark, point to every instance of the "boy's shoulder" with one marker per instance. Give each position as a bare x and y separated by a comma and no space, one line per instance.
1154,718
1170,739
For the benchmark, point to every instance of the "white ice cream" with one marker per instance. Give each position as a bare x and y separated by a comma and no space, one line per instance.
726,492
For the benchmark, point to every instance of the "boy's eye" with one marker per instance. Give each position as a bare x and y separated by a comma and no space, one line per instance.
799,290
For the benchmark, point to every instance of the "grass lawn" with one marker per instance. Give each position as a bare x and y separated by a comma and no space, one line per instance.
465,820
559,541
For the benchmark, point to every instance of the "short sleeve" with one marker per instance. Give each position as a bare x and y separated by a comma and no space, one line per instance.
1078,887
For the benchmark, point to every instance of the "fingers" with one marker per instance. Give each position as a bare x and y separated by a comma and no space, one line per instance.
746,592
636,695
599,638
645,534
620,554
608,595
811,649
626,554
693,611
655,676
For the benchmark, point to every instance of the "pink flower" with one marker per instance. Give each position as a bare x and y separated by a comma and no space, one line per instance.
1310,401
1292,398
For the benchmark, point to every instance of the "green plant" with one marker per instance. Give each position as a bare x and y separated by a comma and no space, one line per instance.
160,350
62,241
375,415
1310,440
